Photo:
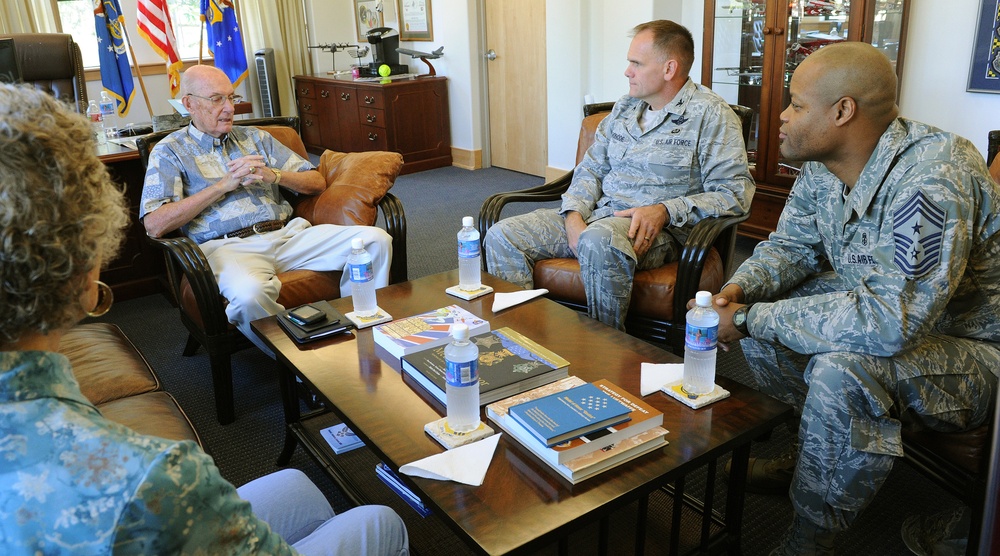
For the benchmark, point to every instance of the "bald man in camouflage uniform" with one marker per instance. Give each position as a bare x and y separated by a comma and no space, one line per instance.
874,305
669,154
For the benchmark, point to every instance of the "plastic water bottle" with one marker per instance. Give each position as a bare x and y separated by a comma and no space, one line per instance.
96,122
468,256
462,381
109,115
359,264
701,338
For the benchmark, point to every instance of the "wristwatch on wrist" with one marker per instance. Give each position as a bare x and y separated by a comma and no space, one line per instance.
277,176
740,319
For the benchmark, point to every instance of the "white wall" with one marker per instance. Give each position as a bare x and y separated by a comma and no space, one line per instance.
454,25
936,71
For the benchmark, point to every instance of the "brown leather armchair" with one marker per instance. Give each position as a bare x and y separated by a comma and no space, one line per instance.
346,201
52,63
659,295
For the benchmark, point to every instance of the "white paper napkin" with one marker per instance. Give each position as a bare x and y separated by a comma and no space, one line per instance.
465,464
654,375
503,300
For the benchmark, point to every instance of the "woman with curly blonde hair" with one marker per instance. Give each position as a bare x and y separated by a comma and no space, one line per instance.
73,482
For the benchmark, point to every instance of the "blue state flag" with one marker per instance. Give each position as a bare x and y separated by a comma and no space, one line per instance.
224,38
116,74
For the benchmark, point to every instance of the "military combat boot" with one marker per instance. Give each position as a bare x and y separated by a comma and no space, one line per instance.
770,476
805,538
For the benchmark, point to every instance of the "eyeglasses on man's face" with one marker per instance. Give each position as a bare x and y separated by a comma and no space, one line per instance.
218,100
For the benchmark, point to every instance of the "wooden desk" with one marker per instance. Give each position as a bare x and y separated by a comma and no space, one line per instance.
522,505
138,268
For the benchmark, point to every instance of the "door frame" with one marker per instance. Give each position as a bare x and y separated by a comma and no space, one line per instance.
484,86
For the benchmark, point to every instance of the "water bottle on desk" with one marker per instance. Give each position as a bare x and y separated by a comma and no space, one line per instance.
468,256
96,122
359,264
109,115
701,337
462,381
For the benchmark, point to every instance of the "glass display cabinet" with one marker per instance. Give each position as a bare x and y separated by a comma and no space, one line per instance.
751,49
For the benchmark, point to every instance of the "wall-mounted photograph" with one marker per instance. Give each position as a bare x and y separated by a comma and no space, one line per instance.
984,74
415,20
368,14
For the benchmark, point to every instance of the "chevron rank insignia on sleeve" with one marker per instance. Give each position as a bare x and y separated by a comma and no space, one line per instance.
917,229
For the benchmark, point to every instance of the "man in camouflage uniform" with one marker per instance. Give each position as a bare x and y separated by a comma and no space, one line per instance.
669,153
874,305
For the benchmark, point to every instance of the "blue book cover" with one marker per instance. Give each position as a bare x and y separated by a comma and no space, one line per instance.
567,415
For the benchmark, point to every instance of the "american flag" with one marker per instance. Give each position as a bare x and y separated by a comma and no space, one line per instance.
154,24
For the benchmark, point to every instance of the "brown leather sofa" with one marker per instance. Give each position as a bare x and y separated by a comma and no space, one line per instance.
52,63
116,378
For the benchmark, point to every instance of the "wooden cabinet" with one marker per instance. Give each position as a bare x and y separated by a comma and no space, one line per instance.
751,48
408,116
138,268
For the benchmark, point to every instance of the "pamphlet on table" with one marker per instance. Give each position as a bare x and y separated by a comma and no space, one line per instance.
569,414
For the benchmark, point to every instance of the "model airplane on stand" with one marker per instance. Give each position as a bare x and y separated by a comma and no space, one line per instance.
424,56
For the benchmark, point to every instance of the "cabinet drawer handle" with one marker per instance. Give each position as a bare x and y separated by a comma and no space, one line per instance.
304,91
372,136
779,31
370,118
324,93
307,107
369,100
308,123
345,96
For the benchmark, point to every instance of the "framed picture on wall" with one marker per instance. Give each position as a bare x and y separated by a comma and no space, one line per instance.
984,73
414,20
368,14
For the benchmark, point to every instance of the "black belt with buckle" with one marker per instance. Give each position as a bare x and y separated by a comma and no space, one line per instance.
258,228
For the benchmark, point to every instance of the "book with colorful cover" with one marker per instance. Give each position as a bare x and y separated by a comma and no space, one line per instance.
426,330
341,438
394,483
566,415
509,362
642,418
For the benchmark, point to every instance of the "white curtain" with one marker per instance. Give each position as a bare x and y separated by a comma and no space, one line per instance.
26,16
281,25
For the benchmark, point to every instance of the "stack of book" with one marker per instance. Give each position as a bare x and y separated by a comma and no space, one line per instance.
426,330
509,363
593,450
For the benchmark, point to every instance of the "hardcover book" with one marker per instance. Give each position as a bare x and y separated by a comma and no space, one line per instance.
392,481
426,330
340,438
509,363
569,414
642,418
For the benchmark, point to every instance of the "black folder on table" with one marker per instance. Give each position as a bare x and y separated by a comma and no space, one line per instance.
334,323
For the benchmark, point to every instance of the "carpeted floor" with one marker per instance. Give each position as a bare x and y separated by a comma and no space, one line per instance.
435,201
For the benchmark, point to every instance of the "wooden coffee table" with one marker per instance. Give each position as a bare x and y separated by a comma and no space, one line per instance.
522,505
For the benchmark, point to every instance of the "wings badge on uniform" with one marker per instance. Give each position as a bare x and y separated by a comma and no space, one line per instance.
917,229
